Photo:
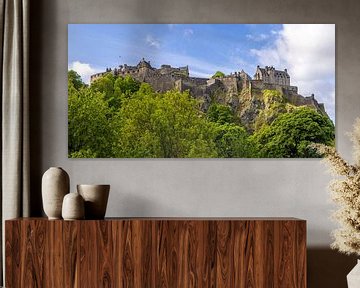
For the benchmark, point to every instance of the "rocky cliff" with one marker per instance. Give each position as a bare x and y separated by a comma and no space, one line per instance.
252,102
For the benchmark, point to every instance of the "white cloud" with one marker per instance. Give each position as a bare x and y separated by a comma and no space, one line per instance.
84,70
152,41
257,37
308,51
188,33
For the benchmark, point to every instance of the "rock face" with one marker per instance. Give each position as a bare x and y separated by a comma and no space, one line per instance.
252,102
238,90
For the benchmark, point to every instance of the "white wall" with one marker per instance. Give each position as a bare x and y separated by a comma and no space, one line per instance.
194,187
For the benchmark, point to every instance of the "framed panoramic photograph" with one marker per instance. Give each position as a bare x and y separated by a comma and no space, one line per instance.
200,90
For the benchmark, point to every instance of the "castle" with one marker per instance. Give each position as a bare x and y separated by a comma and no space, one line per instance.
272,76
230,86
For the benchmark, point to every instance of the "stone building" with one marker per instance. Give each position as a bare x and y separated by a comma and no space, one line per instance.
144,70
227,88
272,76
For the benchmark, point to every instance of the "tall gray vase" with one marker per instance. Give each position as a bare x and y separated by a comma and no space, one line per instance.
55,185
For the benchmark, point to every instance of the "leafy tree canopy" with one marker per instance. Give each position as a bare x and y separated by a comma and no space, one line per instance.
220,114
291,133
104,85
90,131
126,85
218,74
115,88
232,141
163,125
74,79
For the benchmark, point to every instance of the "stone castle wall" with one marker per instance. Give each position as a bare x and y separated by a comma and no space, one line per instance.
160,82
299,100
260,85
168,78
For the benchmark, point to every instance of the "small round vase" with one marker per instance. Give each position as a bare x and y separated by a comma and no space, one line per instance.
73,207
55,185
96,198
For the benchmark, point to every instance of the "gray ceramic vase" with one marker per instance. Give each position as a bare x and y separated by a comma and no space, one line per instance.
96,198
55,185
73,207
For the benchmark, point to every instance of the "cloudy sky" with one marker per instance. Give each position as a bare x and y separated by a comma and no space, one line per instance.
306,50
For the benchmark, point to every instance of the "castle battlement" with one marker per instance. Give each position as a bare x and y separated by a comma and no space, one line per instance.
167,77
144,72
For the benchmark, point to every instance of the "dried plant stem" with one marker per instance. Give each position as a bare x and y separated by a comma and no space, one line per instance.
345,192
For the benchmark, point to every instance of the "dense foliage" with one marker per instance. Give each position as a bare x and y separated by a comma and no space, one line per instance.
218,74
290,135
165,125
123,118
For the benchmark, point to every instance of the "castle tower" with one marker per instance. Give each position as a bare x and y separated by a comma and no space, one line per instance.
272,76
244,76
144,64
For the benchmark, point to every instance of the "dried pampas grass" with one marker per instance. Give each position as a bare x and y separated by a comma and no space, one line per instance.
345,192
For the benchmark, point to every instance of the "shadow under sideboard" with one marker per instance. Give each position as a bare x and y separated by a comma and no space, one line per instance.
328,268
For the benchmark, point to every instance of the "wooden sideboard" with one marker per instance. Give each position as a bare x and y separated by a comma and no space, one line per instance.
156,252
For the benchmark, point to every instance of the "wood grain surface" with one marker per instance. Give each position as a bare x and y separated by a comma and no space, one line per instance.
161,252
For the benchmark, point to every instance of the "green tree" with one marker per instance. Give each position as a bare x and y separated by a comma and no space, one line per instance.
164,125
90,134
104,85
291,133
218,74
220,114
124,87
232,141
74,79
115,88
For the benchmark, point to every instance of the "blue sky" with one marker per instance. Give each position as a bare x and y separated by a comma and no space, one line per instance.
307,51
